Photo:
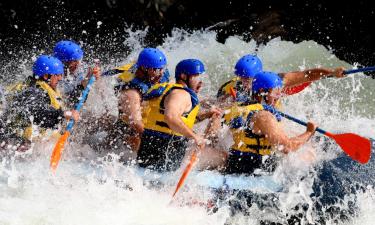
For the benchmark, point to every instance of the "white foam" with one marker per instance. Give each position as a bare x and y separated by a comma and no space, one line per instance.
80,194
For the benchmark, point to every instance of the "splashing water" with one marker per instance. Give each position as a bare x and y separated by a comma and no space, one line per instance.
88,189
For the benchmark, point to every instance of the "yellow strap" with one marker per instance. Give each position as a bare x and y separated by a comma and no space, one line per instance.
28,133
241,141
35,133
16,87
154,116
126,75
231,84
125,67
54,96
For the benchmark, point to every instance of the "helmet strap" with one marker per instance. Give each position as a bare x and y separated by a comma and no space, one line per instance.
141,73
186,80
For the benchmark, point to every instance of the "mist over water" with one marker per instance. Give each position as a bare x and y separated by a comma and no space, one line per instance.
91,188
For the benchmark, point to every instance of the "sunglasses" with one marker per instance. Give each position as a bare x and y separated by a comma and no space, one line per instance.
155,70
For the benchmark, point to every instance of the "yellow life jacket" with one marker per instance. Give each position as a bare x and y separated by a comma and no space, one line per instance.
225,89
33,132
13,89
127,78
238,119
54,95
19,86
154,120
126,72
126,75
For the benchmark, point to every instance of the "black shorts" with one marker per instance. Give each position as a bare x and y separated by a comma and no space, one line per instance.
160,153
247,162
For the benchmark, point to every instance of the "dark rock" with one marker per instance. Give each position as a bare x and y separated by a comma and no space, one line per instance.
346,27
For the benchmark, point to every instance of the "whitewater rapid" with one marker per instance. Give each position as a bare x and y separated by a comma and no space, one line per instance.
91,190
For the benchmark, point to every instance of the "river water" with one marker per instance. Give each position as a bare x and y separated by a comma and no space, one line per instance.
89,188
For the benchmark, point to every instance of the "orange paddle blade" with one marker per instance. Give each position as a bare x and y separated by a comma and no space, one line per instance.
57,151
296,89
357,147
233,93
186,172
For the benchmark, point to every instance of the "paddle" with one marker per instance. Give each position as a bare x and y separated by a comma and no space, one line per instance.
356,147
233,93
59,147
193,159
186,172
301,87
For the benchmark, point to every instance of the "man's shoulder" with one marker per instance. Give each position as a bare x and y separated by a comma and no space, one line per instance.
180,92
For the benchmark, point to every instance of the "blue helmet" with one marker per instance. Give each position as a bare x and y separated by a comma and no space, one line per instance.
68,51
45,64
151,58
266,80
248,66
189,67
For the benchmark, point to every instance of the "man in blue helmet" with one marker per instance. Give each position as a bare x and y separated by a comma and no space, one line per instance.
172,109
245,69
249,65
256,130
38,108
74,80
133,82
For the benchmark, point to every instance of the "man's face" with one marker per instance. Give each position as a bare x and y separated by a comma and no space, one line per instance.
273,96
246,83
195,82
154,74
54,80
73,66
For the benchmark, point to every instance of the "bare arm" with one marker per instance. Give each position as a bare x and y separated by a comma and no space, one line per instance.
213,128
176,103
130,106
295,78
96,71
266,124
208,113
